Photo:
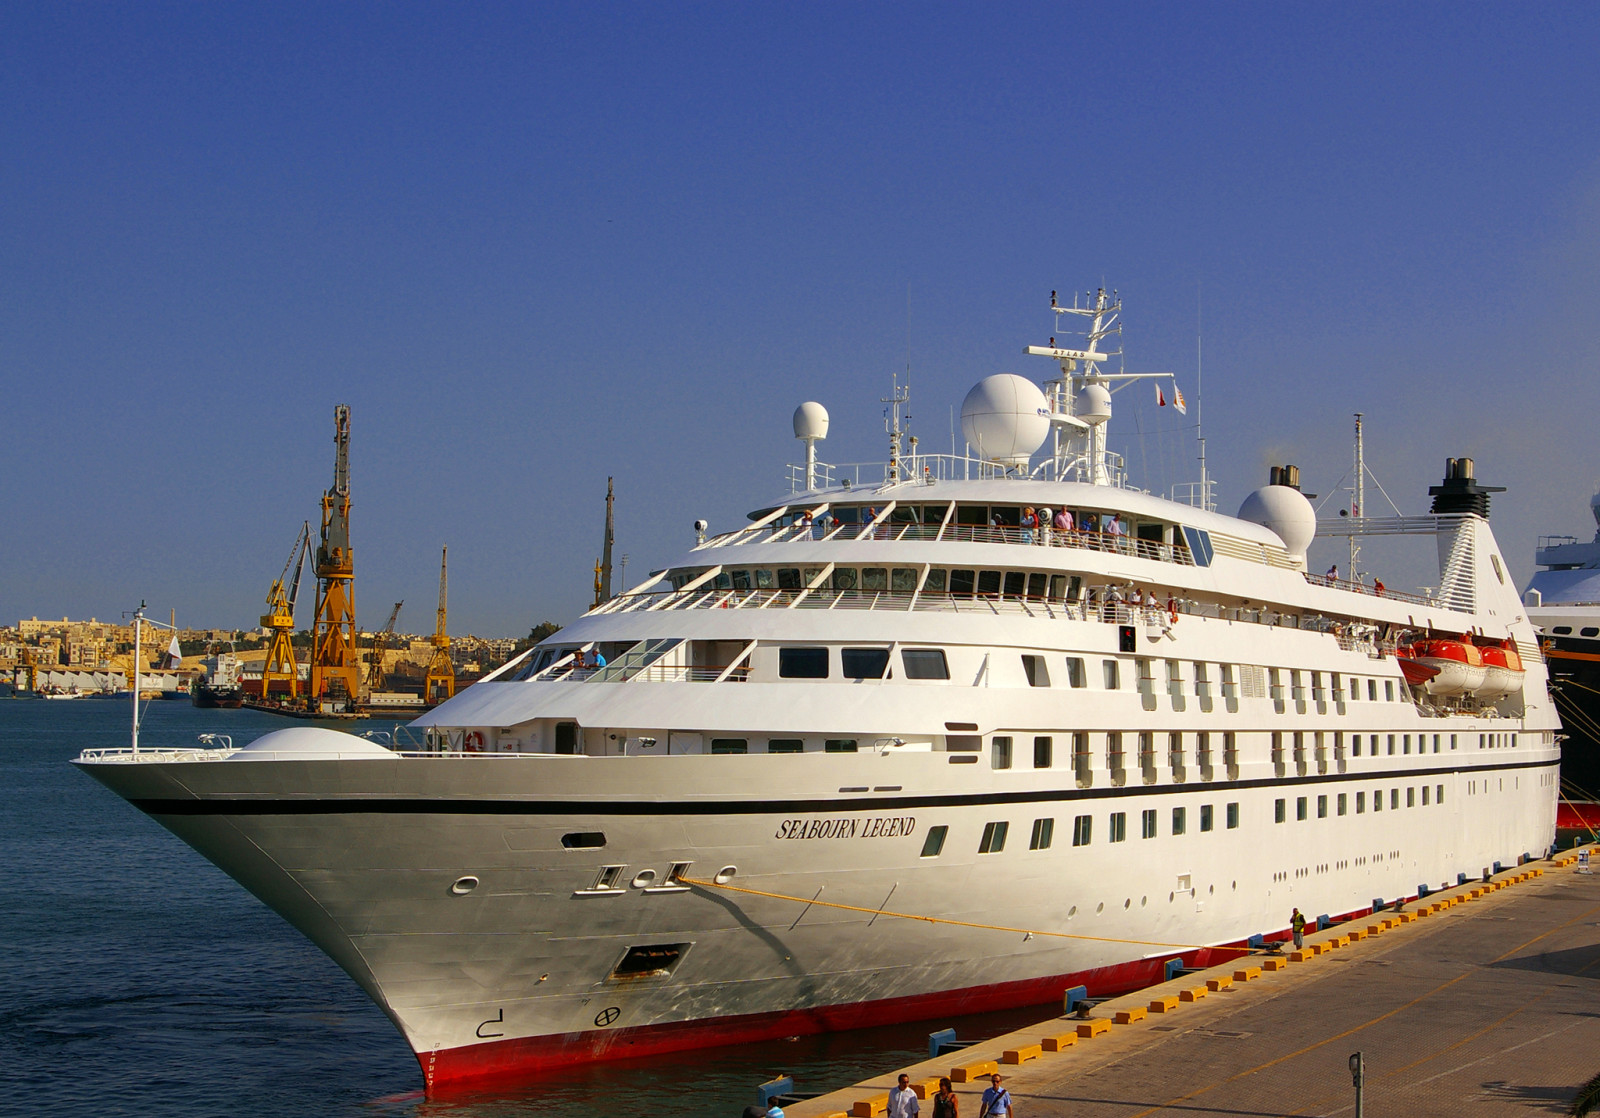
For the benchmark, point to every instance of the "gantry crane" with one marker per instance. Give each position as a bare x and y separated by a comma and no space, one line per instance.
380,645
335,663
441,681
281,662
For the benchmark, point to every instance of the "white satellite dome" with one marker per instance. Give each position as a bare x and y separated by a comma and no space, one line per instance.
311,743
1284,511
811,421
1093,404
1006,418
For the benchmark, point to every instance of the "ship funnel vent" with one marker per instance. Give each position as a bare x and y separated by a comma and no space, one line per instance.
1284,475
1459,492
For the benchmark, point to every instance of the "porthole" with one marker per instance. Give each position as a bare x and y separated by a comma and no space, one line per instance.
1143,901
1128,903
464,885
644,878
1099,908
725,874
1071,912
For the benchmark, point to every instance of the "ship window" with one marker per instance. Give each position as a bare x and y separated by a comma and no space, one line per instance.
1562,630
874,578
803,663
1082,829
934,843
1278,813
1377,799
723,581
1388,690
1452,741
1589,631
583,840
1058,587
1199,541
1075,673
763,579
936,581
994,838
1205,817
741,579
988,584
1119,826
1411,797
864,663
1180,822
1300,809
1425,791
1016,584
1391,745
844,578
1499,572
924,663
839,745
1036,585
1394,799
1361,803
788,578
1147,822
903,514
1044,830
1344,803
972,516
1372,690
934,514
1000,752
1355,745
903,580
1038,675
1406,743
1113,680
786,745
1233,816
962,583
730,745
1042,749
656,960
1438,794
1005,516
1322,807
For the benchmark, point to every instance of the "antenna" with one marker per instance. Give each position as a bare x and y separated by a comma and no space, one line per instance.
891,421
1358,503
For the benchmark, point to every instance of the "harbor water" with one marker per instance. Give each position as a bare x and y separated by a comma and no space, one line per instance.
142,981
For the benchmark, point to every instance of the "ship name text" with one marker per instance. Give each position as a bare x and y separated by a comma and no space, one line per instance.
880,826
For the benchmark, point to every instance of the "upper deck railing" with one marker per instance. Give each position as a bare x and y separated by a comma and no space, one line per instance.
929,469
823,530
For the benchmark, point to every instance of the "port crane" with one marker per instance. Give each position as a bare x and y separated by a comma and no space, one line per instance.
380,645
281,663
335,663
440,683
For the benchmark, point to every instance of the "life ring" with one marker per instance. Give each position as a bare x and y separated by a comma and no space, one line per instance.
473,742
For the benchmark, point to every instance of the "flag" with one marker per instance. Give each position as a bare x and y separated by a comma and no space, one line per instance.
1161,401
1177,401
175,653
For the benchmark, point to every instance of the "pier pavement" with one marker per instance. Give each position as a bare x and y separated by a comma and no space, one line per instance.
1476,1000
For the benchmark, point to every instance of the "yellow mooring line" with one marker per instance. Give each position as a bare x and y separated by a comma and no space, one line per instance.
943,920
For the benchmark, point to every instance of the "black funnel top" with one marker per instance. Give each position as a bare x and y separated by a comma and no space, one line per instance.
1459,492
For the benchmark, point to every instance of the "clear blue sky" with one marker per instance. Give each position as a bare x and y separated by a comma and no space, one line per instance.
533,245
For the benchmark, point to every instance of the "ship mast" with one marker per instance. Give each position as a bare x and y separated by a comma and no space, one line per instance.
1358,501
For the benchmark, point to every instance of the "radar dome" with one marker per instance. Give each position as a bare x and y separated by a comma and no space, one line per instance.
1006,418
811,421
1094,403
1284,511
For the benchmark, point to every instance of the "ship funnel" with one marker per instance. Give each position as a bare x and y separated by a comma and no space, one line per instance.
1459,493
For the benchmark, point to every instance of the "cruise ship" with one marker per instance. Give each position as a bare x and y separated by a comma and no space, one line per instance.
939,735
1563,601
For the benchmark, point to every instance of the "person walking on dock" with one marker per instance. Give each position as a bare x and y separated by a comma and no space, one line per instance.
903,1101
945,1104
996,1100
1297,925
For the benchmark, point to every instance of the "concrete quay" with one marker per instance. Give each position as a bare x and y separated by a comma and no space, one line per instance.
1476,1000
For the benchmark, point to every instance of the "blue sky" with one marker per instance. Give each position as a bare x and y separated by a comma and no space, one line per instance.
534,245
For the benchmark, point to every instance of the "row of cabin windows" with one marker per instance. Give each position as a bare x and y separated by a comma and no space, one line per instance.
797,662
1302,808
993,840
783,745
1036,585
1586,631
1000,749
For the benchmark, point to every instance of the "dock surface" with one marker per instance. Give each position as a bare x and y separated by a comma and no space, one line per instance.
1465,1004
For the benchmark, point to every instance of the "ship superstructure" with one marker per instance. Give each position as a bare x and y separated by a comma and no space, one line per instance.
1072,728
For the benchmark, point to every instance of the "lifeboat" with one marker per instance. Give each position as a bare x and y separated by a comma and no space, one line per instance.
1503,672
1458,667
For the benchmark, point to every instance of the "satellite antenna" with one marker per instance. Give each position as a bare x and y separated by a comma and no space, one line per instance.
810,427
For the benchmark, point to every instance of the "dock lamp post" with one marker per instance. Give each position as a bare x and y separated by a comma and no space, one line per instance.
1358,1077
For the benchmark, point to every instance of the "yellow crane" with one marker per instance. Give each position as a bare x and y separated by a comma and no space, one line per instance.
380,645
335,663
441,681
281,663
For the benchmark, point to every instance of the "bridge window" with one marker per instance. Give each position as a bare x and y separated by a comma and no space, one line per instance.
864,663
803,663
786,745
924,663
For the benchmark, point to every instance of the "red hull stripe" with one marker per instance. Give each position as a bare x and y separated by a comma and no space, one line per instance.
528,1056
1578,816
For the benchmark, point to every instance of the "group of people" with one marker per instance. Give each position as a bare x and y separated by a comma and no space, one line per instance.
583,661
1037,524
904,1103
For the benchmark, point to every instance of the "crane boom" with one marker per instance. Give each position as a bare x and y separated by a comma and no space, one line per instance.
335,664
440,683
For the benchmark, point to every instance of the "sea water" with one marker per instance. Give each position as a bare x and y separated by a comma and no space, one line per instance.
139,980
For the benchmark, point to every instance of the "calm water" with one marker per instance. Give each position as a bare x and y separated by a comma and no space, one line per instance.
139,980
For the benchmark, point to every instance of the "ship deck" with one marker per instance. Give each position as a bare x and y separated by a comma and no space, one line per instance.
1483,1005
